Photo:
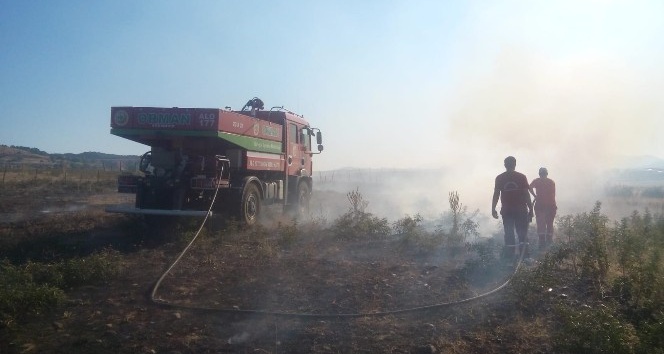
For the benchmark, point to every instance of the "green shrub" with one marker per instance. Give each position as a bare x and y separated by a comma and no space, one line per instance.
409,227
259,239
587,237
78,271
37,287
596,329
413,234
360,225
20,295
650,335
457,226
357,223
624,266
533,288
288,234
640,284
93,269
482,265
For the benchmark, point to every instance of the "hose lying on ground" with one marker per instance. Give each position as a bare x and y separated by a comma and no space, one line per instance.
167,304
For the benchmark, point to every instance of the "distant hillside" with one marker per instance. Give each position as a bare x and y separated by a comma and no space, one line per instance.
640,162
15,156
640,170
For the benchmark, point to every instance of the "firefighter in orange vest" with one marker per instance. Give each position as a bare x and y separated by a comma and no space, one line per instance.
544,191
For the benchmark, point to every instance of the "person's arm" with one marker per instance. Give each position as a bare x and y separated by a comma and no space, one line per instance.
530,206
527,192
494,202
531,188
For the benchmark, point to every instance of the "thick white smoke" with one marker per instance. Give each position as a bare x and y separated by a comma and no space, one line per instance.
578,118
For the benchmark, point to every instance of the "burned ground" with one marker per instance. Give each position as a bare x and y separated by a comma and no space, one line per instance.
283,287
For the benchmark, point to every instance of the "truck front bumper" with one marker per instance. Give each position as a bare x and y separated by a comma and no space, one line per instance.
127,209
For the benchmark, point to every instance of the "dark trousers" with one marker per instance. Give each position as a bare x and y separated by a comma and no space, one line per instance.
544,216
516,221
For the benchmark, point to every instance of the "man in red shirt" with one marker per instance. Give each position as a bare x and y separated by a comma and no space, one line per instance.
516,207
544,191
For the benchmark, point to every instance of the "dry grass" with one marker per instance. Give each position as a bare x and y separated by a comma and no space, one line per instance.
298,267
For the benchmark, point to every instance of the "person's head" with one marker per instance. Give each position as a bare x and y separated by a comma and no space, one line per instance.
543,172
510,163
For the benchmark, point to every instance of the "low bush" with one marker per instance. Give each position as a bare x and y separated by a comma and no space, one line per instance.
34,288
409,227
596,329
458,226
21,295
482,265
613,299
357,223
288,233
413,235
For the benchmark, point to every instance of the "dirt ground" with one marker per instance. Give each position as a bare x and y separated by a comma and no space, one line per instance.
273,289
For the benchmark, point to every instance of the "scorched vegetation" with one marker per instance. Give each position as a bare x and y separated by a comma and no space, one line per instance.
79,281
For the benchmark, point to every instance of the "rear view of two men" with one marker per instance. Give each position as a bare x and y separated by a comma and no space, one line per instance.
513,190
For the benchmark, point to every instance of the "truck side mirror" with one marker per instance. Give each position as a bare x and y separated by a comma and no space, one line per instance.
320,148
319,138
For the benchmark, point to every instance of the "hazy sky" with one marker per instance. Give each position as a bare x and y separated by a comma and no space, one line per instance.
566,84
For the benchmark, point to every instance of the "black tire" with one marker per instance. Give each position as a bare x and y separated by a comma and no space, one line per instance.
303,199
250,206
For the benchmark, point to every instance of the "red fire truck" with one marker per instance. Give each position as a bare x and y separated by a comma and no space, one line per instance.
247,158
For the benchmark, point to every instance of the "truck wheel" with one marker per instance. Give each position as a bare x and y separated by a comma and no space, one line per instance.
303,198
251,205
